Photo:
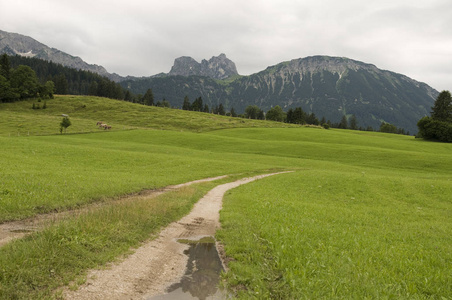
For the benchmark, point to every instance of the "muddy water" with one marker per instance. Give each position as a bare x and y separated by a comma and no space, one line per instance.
202,273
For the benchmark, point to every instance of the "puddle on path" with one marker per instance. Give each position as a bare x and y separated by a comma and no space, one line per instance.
202,275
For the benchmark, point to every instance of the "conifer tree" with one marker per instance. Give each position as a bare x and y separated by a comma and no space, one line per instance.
197,104
299,116
233,113
186,105
312,119
148,98
289,116
5,67
343,124
442,109
221,110
353,123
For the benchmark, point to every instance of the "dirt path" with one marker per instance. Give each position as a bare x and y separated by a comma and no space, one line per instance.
161,262
18,229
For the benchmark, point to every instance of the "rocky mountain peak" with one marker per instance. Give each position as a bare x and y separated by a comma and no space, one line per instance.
185,66
218,67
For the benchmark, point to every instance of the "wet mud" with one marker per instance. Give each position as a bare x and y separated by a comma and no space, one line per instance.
202,275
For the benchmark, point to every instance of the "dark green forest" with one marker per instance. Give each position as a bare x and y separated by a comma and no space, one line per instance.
66,80
21,83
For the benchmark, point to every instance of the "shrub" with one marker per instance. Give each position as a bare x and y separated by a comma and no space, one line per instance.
431,129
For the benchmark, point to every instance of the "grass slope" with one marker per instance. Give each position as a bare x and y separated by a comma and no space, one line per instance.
365,215
85,111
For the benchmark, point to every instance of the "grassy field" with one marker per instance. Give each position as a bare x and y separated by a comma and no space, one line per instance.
43,174
368,217
339,235
364,215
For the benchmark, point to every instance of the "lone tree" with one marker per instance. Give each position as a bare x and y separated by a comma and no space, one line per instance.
65,123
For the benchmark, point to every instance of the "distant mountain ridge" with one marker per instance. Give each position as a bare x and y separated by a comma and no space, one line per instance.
17,44
337,86
328,86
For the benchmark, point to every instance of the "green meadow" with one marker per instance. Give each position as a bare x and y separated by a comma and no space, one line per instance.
364,215
19,119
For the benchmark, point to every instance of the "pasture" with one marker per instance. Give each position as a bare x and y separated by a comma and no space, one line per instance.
349,234
19,119
364,215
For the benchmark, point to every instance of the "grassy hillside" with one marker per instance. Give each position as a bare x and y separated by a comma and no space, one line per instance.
364,215
85,111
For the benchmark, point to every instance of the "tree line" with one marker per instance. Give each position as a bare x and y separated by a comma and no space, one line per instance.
293,116
68,80
21,83
197,105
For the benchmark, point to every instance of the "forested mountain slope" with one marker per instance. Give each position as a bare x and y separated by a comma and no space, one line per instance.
328,86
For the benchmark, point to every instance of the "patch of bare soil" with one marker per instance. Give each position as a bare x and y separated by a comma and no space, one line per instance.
18,229
161,262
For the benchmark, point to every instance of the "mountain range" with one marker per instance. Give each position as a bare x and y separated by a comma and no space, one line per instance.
17,44
328,86
331,87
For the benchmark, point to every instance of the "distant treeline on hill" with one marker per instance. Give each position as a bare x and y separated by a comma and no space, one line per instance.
21,83
71,81
293,116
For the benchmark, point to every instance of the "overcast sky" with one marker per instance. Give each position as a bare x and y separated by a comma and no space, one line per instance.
143,37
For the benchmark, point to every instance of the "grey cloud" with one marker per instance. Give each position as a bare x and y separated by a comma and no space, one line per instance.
142,38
